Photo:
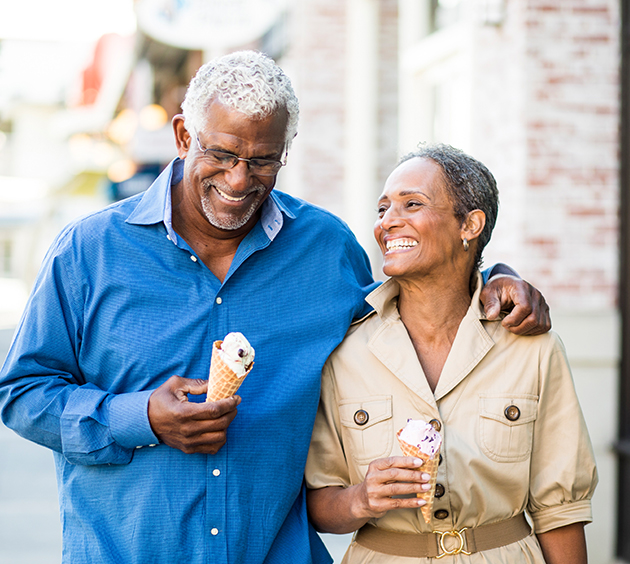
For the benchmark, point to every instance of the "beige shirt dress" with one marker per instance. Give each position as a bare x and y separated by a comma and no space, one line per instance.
492,468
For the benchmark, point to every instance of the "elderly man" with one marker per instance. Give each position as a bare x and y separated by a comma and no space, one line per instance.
111,357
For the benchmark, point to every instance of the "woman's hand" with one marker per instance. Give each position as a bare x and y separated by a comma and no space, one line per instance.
389,477
344,510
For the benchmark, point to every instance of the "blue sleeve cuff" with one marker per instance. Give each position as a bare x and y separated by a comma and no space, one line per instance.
129,420
485,274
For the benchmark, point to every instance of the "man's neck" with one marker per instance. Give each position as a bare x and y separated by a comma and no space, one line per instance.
215,247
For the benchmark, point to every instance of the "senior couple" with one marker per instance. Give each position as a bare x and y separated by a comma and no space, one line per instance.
109,363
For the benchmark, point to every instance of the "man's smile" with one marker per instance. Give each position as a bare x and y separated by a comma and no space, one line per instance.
230,198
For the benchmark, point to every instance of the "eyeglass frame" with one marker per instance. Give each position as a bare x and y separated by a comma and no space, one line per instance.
236,159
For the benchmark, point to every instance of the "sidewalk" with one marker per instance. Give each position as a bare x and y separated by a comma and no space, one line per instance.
30,532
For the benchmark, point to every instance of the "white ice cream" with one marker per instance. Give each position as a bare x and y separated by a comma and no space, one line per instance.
237,353
422,435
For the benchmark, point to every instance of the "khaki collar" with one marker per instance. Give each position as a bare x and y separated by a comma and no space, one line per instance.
391,344
384,299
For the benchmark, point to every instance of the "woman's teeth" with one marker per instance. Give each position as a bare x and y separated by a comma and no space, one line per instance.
399,244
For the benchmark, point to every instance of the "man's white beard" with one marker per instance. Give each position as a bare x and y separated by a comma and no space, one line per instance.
230,223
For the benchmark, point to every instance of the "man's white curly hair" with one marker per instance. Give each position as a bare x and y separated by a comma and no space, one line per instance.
247,81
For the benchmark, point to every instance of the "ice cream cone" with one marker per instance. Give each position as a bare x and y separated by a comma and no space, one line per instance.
222,382
430,466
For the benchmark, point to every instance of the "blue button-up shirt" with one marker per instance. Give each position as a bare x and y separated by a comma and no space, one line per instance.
121,304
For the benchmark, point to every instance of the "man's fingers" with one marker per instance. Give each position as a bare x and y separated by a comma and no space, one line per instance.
531,318
181,387
190,426
213,409
492,307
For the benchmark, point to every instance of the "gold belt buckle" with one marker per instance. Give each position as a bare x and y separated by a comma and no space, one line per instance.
454,534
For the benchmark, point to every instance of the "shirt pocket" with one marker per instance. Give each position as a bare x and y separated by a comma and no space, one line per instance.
506,426
369,427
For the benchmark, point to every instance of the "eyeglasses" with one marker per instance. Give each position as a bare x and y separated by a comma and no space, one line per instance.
226,161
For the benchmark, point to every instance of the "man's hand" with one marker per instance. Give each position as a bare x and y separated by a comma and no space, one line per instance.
529,312
188,426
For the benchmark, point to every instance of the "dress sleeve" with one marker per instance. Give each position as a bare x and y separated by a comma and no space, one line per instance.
563,472
44,396
326,464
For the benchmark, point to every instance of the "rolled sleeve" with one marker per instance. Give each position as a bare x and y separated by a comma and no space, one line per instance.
562,515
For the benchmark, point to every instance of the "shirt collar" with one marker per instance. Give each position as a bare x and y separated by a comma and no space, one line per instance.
155,205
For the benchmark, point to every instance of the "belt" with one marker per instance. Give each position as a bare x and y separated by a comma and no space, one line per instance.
444,543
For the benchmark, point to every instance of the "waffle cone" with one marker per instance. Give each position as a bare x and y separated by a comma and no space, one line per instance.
223,382
430,466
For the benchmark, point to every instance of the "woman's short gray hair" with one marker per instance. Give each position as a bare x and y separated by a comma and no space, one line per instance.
469,184
247,81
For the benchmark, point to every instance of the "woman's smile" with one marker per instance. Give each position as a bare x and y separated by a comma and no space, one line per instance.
399,244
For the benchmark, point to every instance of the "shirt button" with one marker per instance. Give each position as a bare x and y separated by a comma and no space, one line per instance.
214,531
435,424
193,258
441,514
219,301
441,458
216,472
168,237
361,417
512,413
439,490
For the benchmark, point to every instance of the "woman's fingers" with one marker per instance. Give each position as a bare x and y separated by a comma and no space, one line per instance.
389,478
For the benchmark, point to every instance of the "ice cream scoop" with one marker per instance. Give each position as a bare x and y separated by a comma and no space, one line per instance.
422,436
237,353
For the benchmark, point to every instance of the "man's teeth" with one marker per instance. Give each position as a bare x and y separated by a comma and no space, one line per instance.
401,244
230,198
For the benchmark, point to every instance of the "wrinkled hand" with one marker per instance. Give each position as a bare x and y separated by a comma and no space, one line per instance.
188,426
529,313
388,477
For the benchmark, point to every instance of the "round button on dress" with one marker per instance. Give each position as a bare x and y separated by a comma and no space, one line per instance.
439,490
441,514
361,417
512,413
435,424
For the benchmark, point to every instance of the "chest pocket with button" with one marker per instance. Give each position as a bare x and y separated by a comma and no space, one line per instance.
368,426
506,426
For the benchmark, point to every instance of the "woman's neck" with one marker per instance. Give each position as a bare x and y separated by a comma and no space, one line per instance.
432,312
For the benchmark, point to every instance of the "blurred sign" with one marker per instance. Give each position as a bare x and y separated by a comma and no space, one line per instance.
207,24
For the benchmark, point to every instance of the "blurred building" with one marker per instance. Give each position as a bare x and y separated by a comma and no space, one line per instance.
530,87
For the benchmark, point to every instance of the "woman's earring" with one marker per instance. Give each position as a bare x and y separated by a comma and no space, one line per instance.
465,242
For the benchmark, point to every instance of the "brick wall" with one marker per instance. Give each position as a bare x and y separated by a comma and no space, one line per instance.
554,145
316,60
553,66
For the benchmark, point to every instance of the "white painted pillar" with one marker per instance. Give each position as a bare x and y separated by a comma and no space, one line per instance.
361,125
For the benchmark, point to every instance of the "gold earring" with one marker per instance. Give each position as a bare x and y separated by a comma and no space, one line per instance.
465,242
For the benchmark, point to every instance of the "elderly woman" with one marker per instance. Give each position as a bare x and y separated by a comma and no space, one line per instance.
514,439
